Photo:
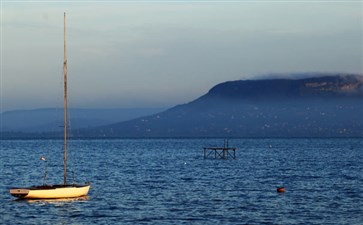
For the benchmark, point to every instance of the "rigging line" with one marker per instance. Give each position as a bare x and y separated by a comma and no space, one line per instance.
72,165
59,101
70,143
70,136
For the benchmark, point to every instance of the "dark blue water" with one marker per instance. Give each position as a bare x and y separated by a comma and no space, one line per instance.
167,181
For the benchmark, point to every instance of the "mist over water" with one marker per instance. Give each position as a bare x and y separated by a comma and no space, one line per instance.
167,181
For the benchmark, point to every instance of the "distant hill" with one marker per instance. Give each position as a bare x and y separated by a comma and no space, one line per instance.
324,106
51,119
339,86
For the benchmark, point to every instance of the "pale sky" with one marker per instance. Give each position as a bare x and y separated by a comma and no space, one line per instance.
124,54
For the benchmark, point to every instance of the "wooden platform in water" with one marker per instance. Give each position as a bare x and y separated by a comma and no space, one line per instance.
220,152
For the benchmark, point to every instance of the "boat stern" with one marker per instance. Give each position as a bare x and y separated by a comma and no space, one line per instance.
19,192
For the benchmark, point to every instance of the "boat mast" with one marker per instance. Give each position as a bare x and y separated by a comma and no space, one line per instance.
65,105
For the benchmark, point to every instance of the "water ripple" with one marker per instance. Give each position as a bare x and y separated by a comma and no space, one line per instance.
167,181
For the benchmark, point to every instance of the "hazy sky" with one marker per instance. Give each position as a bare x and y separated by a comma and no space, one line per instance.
163,53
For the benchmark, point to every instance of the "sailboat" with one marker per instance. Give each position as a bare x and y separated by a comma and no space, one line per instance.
58,191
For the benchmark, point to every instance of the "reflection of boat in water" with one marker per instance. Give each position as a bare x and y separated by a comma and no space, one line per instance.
54,200
62,190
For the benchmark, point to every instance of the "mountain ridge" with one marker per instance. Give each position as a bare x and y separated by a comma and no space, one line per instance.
322,106
325,86
51,119
318,106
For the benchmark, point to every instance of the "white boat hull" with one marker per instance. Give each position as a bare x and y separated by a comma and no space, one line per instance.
51,192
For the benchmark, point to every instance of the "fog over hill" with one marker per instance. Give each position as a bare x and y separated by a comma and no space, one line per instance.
320,106
324,106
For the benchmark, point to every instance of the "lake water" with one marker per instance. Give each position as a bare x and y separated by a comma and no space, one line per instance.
167,181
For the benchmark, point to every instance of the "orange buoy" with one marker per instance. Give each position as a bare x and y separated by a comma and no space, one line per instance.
280,189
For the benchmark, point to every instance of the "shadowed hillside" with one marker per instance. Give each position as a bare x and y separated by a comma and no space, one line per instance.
329,106
51,119
325,106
